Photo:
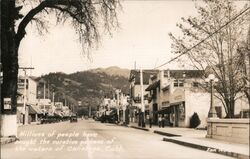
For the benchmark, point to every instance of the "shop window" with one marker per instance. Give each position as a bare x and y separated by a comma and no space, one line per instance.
175,83
178,83
181,83
195,84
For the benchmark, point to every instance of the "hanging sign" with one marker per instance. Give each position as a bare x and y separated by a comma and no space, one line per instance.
7,103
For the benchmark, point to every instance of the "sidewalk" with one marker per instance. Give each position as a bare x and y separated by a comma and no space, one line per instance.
32,123
6,140
197,139
10,139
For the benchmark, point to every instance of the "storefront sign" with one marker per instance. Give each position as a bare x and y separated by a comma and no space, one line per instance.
178,96
7,103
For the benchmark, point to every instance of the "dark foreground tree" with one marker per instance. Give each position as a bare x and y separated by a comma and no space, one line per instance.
216,32
88,18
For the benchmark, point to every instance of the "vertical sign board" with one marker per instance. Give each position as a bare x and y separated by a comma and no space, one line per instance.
79,103
7,103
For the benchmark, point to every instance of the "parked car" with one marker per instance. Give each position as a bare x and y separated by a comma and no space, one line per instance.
111,118
73,119
49,119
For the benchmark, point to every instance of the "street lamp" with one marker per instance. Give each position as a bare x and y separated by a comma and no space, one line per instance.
212,79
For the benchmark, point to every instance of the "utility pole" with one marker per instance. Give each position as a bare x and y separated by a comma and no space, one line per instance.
142,100
25,108
89,111
118,105
48,92
44,96
53,98
53,101
122,107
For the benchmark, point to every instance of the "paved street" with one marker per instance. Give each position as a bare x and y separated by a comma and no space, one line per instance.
88,139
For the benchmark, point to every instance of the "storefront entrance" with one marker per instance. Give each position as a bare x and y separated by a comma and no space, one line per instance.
177,115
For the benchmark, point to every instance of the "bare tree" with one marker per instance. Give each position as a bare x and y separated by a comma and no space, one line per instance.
216,32
87,17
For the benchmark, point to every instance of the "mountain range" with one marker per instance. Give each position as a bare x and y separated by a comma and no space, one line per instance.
88,86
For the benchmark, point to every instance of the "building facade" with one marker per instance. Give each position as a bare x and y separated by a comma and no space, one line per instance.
173,96
26,101
135,92
176,95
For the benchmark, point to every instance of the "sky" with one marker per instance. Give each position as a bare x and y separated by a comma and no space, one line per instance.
142,38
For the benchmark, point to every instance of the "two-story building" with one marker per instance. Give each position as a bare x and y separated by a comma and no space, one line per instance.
178,94
135,92
173,95
26,101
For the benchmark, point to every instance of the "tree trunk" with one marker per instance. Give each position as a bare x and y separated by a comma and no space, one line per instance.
9,59
247,93
230,105
9,55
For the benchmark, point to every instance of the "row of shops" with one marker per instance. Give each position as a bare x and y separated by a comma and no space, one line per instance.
34,113
174,95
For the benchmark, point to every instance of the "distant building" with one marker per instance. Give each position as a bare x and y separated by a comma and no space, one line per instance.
31,90
45,105
135,91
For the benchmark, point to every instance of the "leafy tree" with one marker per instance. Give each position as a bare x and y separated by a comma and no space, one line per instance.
216,34
86,16
243,59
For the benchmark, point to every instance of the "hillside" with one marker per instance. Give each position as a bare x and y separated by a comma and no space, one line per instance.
87,86
112,71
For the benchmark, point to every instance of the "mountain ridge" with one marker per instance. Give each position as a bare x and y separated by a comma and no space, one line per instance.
87,86
112,70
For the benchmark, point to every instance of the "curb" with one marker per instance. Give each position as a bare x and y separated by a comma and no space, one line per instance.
9,140
208,149
166,134
135,127
21,125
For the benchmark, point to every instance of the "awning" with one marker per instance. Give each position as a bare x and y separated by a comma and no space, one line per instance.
153,86
166,88
176,103
19,93
164,110
34,110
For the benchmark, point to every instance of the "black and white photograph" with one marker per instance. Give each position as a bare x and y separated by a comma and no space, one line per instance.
125,79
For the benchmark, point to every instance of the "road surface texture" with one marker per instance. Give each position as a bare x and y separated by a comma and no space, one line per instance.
88,139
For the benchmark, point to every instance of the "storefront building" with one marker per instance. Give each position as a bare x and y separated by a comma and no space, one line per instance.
27,88
175,96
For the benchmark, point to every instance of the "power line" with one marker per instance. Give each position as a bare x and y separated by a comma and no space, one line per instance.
203,39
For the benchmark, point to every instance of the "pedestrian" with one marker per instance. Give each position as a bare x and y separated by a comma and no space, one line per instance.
159,121
150,122
163,121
